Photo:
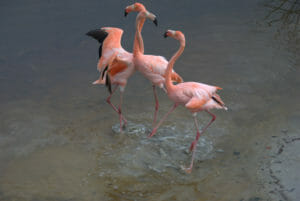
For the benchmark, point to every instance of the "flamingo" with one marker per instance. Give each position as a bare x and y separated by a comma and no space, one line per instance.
151,66
115,64
194,96
137,7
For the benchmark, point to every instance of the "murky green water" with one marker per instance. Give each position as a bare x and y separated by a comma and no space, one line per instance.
58,136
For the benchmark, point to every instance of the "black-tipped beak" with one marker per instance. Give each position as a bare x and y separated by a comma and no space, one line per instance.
155,21
125,13
165,34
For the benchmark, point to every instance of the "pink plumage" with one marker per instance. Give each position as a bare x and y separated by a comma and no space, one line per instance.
194,96
150,66
115,64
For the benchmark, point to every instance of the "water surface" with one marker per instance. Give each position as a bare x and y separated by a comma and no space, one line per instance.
59,138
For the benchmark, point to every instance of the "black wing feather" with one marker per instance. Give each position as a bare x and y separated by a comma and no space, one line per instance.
108,83
98,34
217,101
105,69
100,51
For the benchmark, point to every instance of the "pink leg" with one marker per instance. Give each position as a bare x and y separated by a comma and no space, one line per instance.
156,105
109,97
194,143
120,113
114,107
162,120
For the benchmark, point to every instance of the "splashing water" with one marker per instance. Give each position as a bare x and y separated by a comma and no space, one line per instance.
167,149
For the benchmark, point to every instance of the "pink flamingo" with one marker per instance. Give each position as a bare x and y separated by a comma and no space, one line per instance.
115,64
194,96
137,7
151,66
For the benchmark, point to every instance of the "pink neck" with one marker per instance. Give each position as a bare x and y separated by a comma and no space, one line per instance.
168,74
138,45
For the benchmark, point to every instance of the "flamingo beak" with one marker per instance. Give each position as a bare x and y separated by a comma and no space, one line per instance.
125,13
155,21
166,34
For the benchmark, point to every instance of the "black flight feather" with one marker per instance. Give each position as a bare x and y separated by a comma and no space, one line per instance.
215,99
98,34
105,69
100,51
108,83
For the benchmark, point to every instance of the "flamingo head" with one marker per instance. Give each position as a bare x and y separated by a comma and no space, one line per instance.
170,33
136,7
174,34
146,14
178,35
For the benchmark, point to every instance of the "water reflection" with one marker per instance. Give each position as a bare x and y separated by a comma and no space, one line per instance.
286,14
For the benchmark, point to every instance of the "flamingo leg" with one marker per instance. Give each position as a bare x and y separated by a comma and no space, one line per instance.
121,117
162,120
109,97
112,105
194,143
156,105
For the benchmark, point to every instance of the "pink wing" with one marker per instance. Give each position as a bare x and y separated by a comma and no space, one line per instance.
110,46
199,90
156,64
202,96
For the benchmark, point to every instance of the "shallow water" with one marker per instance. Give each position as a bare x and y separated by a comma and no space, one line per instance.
60,140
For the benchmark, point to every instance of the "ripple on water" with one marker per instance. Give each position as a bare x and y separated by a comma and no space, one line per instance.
165,151
131,128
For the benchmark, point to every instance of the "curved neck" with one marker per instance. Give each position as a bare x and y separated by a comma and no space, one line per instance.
168,74
138,45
